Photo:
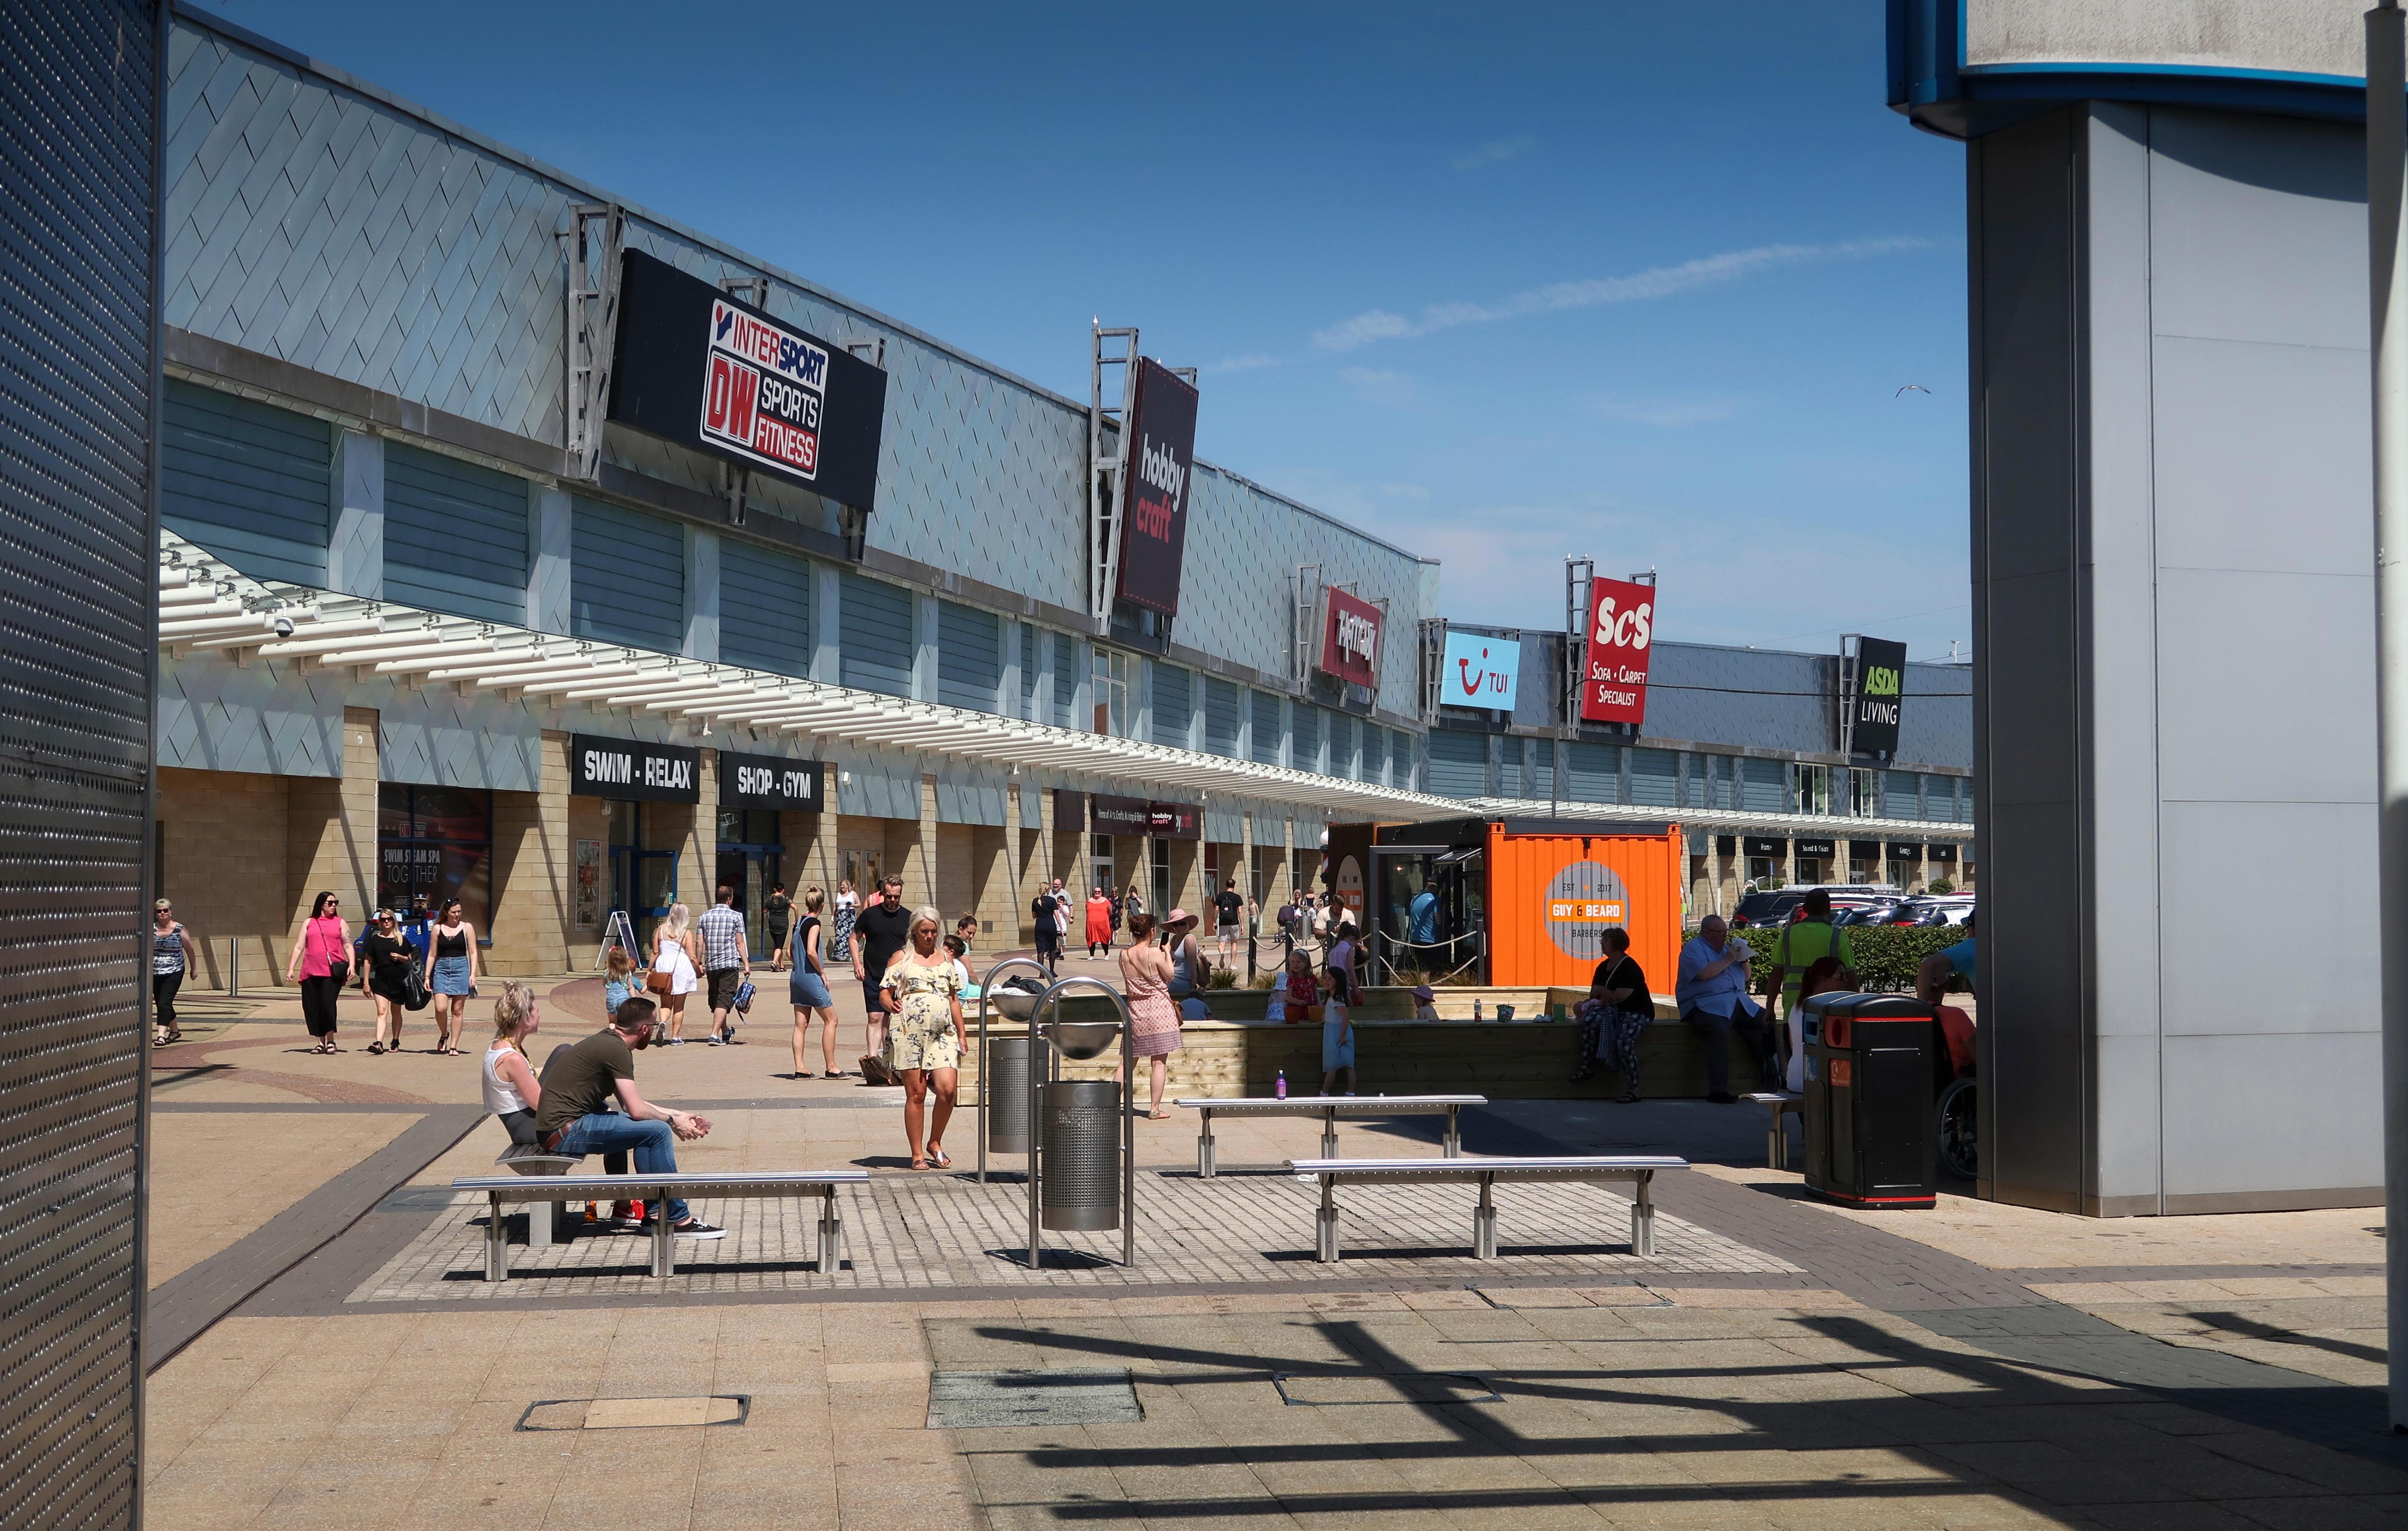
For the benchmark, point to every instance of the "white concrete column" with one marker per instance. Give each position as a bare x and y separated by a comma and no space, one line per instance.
701,592
356,546
550,558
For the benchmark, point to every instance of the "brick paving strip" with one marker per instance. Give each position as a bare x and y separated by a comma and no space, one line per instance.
187,1303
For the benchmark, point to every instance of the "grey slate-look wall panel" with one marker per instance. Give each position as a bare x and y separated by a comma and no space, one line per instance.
1223,700
455,536
765,609
1655,778
1171,692
1593,773
878,643
969,659
1065,681
249,482
1458,764
627,577
1265,744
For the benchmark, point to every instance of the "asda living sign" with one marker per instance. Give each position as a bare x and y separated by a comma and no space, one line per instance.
1879,682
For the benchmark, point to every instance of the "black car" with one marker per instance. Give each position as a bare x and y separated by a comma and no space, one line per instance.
1765,909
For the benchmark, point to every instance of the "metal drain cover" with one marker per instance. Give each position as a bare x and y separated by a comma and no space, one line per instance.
635,1413
1388,1387
973,1400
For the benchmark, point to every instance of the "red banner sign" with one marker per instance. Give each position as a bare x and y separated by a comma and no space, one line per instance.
1614,679
1350,639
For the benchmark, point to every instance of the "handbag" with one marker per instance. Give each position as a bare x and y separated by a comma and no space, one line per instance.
415,995
744,992
659,982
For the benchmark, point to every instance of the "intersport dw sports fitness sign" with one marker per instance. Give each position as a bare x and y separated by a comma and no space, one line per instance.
701,369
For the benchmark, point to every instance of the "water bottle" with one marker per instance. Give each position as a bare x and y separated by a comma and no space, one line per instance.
1475,1012
1279,1086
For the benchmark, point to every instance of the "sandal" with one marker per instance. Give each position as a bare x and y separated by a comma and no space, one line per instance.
375,1047
939,1157
919,1164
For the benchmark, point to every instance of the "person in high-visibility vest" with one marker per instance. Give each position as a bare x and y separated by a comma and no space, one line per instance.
1798,947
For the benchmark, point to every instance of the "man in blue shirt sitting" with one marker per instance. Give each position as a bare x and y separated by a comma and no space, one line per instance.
1712,993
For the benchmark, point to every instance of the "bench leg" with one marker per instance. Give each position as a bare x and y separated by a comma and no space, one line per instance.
662,1241
541,1216
1776,1143
1330,1134
831,1234
1642,1218
1325,1224
1207,1164
498,1241
1483,1222
1453,1148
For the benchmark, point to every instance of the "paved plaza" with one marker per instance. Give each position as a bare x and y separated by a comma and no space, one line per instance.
333,1357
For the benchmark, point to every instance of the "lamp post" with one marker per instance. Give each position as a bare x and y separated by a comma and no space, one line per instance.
2386,163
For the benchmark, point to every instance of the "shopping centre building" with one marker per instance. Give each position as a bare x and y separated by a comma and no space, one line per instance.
474,582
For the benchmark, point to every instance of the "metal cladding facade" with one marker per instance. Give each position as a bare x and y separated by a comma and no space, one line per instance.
79,402
317,221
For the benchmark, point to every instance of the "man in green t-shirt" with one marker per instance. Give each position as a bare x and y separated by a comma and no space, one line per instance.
574,1117
1798,947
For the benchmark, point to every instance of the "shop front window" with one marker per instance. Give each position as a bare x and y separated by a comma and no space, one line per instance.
436,843
1814,789
1111,686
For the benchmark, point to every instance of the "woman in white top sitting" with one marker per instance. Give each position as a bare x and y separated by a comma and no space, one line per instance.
511,1091
677,949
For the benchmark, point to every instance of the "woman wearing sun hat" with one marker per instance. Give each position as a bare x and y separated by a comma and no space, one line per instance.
1188,968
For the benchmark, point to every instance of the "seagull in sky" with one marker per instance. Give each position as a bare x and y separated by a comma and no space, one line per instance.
1916,387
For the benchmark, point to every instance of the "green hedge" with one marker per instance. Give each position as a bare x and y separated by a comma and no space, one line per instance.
1887,956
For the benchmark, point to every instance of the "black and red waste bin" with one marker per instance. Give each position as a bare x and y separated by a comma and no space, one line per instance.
1870,1139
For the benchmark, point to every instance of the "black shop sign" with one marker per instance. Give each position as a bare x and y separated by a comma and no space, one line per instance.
1143,816
1767,845
1160,441
1939,852
631,769
1818,850
1908,852
700,369
769,782
1879,683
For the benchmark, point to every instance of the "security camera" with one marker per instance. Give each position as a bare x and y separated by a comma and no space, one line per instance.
283,627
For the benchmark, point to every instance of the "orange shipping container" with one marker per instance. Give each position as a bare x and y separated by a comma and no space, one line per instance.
1553,885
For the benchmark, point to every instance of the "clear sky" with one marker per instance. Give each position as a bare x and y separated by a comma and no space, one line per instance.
1501,283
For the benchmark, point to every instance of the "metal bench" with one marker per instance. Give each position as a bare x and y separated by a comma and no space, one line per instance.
1637,1169
527,1159
1777,1139
765,1185
1329,1108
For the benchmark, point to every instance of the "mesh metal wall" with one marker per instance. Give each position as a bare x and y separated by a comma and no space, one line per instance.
78,85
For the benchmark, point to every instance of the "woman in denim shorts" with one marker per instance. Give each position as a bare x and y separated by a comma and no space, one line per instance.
807,986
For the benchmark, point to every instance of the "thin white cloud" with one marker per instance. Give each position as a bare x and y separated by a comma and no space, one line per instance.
1495,151
1661,281
1669,413
1378,385
1250,361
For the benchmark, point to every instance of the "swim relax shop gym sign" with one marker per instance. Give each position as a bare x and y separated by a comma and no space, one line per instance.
701,369
631,769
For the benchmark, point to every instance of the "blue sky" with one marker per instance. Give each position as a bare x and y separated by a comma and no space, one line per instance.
1502,284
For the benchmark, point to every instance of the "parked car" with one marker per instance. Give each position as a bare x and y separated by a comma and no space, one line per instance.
1761,910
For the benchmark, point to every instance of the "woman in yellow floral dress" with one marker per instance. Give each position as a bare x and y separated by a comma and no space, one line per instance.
924,1035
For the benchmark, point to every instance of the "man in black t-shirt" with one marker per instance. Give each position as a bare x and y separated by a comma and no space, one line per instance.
881,930
1230,906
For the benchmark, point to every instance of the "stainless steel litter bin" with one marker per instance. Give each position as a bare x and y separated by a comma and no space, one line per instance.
1081,1187
1007,1094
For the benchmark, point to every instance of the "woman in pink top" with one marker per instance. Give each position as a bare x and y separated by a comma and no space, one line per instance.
321,961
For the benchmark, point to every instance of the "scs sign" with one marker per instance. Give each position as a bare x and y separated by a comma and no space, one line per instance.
1350,639
1613,676
764,389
